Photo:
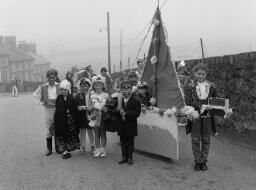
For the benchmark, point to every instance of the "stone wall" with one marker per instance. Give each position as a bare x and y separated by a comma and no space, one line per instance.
235,78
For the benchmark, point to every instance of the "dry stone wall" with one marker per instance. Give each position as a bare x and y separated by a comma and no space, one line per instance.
235,78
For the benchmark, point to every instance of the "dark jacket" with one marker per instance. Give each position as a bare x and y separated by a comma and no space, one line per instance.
109,119
144,99
60,116
192,99
128,128
81,99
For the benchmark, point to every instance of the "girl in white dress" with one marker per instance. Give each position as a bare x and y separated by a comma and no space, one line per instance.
97,106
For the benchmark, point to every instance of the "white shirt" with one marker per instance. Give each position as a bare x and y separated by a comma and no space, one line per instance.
202,90
126,100
52,92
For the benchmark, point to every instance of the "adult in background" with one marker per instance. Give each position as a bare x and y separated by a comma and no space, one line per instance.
108,79
15,88
128,113
48,93
70,78
90,71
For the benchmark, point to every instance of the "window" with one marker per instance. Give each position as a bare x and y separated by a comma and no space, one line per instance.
1,61
26,77
24,66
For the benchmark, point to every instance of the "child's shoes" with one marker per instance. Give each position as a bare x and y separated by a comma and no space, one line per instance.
97,153
103,153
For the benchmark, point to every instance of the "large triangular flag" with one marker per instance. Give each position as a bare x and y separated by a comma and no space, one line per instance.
160,67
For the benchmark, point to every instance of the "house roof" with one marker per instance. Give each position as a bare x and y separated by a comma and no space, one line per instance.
38,60
3,51
16,55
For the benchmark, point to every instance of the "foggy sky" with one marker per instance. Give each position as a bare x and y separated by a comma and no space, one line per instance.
67,31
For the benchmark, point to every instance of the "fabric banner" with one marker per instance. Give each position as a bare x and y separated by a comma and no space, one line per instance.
168,90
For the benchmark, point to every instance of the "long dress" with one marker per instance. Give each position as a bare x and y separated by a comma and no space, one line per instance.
66,132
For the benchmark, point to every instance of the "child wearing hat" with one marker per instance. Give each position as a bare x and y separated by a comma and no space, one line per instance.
82,103
128,112
66,132
198,93
143,94
97,106
133,79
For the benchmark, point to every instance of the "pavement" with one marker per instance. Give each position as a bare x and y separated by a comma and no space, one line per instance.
10,94
23,165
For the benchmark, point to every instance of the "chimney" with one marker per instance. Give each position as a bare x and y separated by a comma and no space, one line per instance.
10,41
1,41
31,47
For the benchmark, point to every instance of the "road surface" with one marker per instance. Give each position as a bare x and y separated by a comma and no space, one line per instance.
23,165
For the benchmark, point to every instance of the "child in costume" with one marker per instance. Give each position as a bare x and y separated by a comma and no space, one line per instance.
47,93
197,94
66,132
143,94
82,103
128,112
97,106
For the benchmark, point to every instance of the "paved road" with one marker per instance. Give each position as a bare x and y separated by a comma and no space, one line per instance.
23,164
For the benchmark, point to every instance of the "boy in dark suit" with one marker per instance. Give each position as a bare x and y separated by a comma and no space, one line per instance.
128,112
197,94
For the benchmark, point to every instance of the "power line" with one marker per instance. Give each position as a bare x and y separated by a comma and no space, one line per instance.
142,44
163,4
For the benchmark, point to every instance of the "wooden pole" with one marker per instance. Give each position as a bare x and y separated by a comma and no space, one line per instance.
121,51
156,42
202,48
108,29
129,65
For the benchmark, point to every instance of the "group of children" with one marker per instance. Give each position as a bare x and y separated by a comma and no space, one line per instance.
80,114
69,118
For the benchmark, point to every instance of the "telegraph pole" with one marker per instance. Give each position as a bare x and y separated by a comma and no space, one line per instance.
202,47
109,58
129,65
121,51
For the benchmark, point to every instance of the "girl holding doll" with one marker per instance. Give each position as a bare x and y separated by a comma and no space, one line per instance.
66,132
97,106
82,103
197,94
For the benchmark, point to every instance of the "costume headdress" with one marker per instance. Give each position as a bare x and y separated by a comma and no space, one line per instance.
142,85
65,84
83,81
100,79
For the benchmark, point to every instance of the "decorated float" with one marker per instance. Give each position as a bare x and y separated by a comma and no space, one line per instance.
157,126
